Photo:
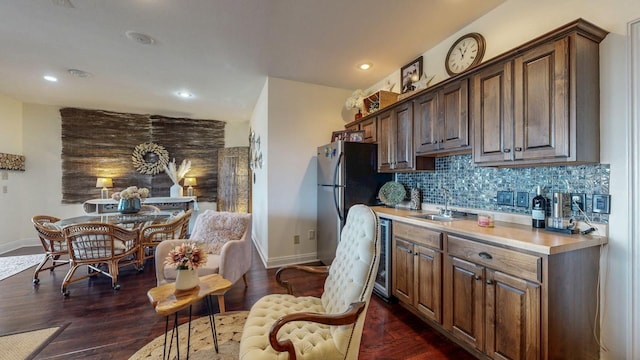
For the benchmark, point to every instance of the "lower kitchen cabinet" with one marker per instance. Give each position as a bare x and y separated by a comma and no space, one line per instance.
499,302
417,269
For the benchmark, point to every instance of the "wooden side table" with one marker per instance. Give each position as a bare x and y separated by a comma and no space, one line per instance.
167,301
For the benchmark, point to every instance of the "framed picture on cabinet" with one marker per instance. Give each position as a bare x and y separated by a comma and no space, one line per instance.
340,135
356,136
409,74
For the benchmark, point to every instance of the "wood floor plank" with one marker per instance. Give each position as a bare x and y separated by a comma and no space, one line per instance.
109,324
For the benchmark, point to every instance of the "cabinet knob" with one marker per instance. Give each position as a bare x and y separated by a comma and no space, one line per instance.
506,150
485,255
416,253
477,277
441,140
409,252
518,148
489,282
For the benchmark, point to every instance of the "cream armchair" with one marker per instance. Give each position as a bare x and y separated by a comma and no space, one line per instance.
227,237
282,326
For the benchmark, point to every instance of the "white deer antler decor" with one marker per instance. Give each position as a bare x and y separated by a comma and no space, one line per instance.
176,175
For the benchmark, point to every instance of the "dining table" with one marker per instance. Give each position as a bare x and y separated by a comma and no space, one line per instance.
117,218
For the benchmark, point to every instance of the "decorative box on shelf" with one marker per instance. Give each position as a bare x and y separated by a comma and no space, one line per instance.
378,101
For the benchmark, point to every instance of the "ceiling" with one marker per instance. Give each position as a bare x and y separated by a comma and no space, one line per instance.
219,50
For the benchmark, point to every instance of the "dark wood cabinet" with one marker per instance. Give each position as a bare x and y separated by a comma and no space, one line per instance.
369,126
395,144
492,311
540,104
441,121
417,269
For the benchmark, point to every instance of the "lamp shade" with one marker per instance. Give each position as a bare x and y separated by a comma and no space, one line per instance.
104,183
190,181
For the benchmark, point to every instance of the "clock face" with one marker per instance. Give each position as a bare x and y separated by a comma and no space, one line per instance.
465,53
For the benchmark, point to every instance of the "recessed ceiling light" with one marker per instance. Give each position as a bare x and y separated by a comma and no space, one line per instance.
50,78
184,94
140,38
365,66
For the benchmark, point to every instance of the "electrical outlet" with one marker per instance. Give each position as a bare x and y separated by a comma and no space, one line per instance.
505,198
312,234
523,199
601,203
578,202
296,239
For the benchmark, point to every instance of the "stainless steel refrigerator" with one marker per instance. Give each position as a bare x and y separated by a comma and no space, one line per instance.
347,175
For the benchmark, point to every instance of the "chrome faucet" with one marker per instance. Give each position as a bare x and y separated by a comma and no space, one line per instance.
445,211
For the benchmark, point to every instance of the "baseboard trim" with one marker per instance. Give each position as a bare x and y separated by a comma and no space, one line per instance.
17,244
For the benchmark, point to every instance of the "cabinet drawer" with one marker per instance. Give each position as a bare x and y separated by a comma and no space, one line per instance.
509,261
418,235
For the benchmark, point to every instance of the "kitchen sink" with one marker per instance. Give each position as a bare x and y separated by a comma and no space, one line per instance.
437,217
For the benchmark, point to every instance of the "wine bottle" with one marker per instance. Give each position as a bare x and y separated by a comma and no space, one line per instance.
538,209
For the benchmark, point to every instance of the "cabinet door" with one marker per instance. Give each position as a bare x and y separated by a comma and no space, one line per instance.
428,282
492,114
402,270
466,301
512,317
404,150
426,122
370,127
454,119
385,142
541,101
354,127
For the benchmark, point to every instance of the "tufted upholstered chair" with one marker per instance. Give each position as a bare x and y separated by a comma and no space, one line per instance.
282,326
227,237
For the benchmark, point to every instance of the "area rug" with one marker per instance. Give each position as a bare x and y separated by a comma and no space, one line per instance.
229,327
26,345
11,265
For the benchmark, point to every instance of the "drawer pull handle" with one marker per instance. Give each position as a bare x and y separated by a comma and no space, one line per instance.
518,148
478,277
489,282
485,255
506,150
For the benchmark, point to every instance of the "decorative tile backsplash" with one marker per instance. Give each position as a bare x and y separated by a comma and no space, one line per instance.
476,187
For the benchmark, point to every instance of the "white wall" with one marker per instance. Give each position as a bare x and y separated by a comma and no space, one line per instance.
518,21
300,118
259,123
10,143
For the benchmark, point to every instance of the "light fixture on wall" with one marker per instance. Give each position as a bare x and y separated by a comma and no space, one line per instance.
190,182
104,183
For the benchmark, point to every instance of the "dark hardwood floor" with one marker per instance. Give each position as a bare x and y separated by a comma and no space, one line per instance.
108,324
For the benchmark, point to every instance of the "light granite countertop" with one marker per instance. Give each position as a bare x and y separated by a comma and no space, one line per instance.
512,235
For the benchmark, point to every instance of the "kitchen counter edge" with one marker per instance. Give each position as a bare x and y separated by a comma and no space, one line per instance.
502,234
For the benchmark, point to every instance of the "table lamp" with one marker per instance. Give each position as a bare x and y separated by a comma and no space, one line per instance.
190,181
104,183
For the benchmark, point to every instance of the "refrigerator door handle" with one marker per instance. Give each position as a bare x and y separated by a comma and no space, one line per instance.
335,188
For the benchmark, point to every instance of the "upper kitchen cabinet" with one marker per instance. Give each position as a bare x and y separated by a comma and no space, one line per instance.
441,121
368,125
539,104
396,151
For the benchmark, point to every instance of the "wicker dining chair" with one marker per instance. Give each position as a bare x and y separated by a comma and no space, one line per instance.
53,243
92,244
152,235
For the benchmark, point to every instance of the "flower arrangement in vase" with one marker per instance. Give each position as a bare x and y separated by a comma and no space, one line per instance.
186,259
355,101
176,174
129,199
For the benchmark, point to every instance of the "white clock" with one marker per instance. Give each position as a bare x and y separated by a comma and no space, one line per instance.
465,53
